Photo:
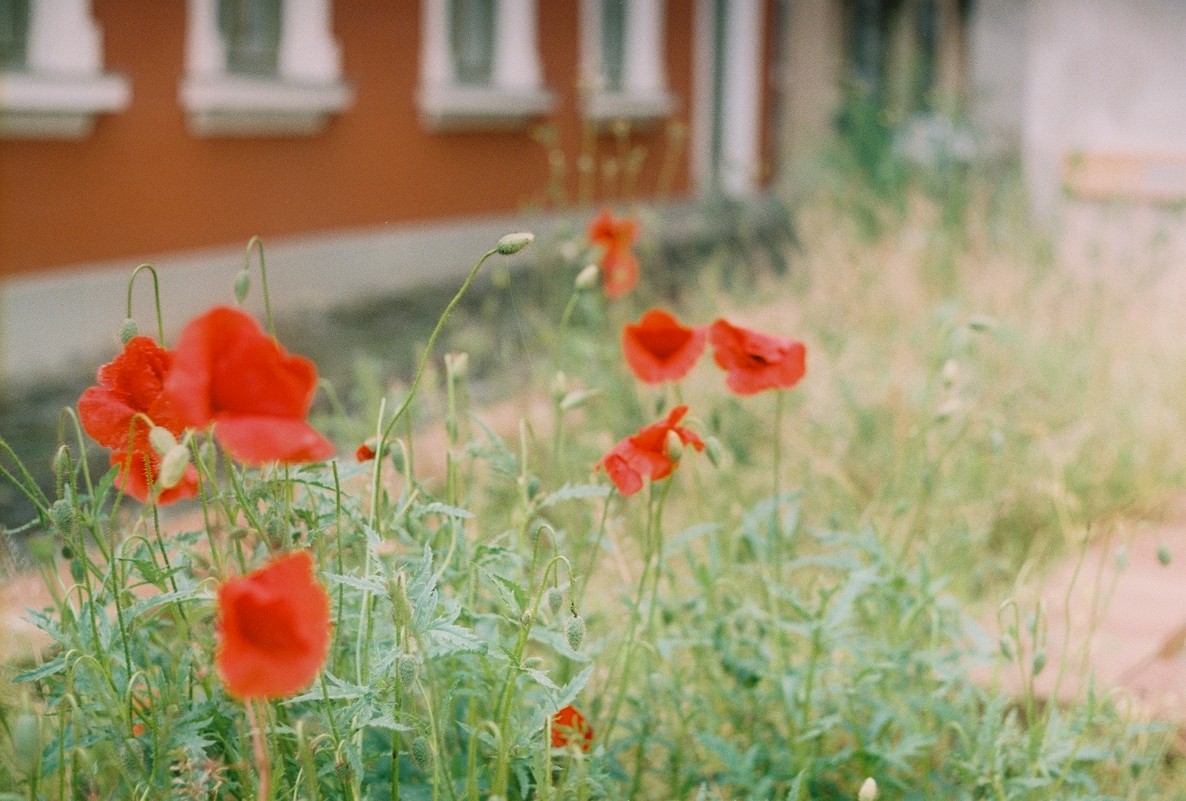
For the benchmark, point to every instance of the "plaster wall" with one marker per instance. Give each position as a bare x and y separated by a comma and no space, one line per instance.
1102,76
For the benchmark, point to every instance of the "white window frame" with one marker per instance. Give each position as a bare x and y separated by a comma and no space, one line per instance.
741,102
62,87
298,101
516,93
644,95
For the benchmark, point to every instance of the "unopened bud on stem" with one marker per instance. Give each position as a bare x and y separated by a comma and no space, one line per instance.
127,330
588,278
513,243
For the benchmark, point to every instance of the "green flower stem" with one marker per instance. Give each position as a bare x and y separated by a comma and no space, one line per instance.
259,743
530,615
403,407
653,547
156,298
595,548
258,243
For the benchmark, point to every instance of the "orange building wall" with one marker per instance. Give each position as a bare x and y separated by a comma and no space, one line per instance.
142,183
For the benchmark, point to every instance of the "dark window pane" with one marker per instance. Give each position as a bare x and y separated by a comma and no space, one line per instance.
251,31
471,25
613,43
14,33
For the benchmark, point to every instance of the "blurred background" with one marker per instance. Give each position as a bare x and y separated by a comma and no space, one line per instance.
378,146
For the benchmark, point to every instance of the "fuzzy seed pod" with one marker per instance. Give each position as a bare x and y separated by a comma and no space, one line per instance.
127,330
62,515
513,243
422,753
407,669
574,632
242,285
554,600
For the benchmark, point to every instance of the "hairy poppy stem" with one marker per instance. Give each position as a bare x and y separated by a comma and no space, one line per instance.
432,338
260,749
156,297
258,243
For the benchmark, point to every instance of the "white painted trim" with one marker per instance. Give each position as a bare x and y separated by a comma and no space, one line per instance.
308,88
742,88
645,96
517,93
63,86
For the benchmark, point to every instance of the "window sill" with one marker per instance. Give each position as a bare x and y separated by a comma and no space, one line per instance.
52,106
642,109
232,105
462,108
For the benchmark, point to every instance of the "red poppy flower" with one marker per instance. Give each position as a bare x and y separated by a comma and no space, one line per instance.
754,362
365,452
273,626
645,454
659,349
569,727
117,411
228,372
619,265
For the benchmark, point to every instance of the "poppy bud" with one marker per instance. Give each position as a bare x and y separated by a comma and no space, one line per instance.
77,571
25,733
406,668
554,600
577,398
63,460
533,663
456,366
67,551
868,791
242,285
1006,646
574,632
127,330
533,485
161,439
173,467
1039,662
399,456
1163,555
981,322
422,753
513,243
559,386
674,446
342,769
62,515
527,617
588,278
714,451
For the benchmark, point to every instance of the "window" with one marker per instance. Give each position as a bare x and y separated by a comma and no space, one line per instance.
251,31
622,53
14,34
261,67
480,64
52,83
726,121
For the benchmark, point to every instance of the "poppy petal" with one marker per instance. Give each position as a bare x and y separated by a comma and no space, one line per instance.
256,441
273,629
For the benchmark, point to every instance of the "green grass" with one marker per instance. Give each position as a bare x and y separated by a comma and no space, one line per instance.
971,411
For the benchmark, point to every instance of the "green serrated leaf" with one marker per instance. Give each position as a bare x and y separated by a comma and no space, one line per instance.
41,671
572,492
